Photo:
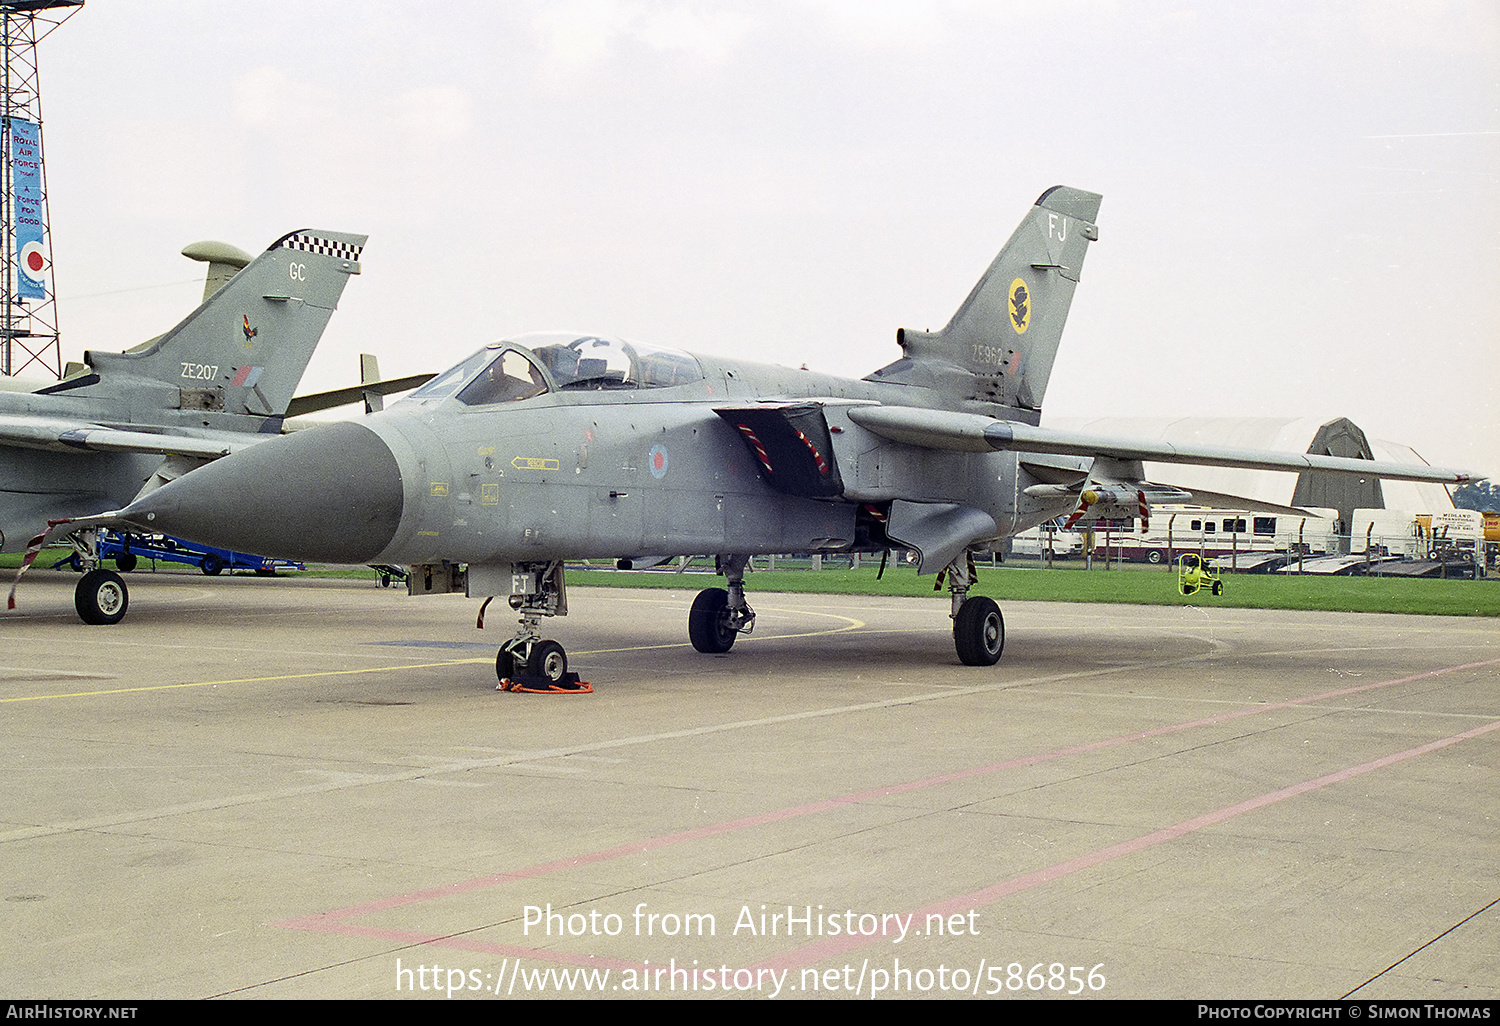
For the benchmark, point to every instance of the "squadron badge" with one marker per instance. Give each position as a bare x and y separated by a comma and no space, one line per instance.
1020,306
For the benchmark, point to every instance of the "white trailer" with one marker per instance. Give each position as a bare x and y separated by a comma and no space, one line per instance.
1037,542
1220,533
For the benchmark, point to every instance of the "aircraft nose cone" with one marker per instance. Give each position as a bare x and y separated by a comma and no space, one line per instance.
331,494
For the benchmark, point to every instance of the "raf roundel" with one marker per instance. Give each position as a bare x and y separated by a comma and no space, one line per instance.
656,459
33,260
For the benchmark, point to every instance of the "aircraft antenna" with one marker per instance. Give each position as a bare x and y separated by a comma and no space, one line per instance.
28,310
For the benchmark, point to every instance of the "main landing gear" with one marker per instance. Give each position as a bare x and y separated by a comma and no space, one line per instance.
978,627
719,616
528,661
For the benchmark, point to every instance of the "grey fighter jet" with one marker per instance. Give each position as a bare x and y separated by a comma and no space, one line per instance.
122,424
544,447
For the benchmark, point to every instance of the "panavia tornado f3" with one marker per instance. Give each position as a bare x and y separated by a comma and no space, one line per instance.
553,446
122,424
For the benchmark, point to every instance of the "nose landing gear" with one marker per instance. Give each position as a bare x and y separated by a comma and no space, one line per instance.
528,662
101,597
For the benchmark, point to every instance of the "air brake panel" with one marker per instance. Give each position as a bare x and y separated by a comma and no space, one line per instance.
791,444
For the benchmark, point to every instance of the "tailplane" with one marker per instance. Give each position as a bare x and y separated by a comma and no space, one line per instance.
999,347
243,351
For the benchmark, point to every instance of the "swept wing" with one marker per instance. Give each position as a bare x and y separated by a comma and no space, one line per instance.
967,432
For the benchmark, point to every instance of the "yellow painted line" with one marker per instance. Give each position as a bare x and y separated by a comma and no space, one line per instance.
850,624
243,680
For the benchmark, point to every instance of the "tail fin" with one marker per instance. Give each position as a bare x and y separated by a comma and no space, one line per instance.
1005,335
244,349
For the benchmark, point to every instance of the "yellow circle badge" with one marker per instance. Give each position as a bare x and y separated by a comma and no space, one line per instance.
1020,306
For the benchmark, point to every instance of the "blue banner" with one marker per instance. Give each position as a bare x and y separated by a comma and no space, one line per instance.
26,174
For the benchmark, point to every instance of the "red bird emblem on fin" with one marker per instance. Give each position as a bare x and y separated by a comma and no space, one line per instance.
249,331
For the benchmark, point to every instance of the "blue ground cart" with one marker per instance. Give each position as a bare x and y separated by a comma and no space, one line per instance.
127,550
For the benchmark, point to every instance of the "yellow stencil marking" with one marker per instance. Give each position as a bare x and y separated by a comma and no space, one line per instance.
533,463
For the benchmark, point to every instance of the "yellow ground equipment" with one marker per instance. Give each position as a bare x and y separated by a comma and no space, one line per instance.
1195,572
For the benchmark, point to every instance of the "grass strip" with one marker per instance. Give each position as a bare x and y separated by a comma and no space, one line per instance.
1159,588
1138,585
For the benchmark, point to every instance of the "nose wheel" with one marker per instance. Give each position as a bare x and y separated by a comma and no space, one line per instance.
100,597
529,662
543,659
539,667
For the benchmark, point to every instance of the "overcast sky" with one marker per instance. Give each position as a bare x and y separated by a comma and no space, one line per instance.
1301,200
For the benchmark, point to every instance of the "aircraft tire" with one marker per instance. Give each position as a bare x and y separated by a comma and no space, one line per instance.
547,660
213,566
505,664
979,632
707,628
101,598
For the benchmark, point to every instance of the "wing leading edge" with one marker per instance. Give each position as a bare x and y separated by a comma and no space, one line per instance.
58,435
968,432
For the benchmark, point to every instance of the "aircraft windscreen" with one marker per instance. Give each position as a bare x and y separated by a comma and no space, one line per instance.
510,377
594,362
452,379
506,372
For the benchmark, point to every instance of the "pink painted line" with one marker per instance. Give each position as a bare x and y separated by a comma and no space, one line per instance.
335,920
460,943
820,950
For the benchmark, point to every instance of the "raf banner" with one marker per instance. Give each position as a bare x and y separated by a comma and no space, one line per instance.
26,173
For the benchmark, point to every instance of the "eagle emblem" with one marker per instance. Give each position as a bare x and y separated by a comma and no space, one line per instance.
1020,306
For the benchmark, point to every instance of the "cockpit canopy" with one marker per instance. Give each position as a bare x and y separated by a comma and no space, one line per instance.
532,364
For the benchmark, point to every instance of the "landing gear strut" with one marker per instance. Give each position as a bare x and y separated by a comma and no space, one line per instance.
528,659
101,597
978,627
719,616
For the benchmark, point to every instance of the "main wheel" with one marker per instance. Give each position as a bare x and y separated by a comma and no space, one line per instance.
213,565
101,598
979,632
125,562
548,661
708,622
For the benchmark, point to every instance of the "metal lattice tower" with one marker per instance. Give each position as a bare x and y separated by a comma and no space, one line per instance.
28,308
